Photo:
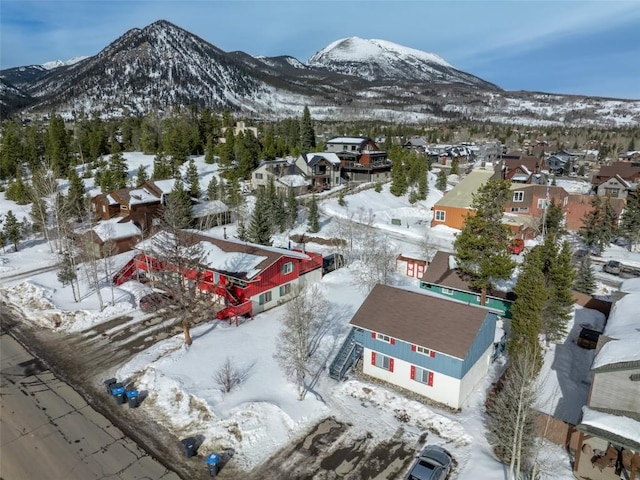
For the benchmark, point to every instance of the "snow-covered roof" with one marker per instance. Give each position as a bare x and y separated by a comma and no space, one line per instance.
330,157
218,259
209,208
520,177
624,320
112,230
293,181
623,326
228,255
623,427
630,285
165,186
111,200
141,195
348,140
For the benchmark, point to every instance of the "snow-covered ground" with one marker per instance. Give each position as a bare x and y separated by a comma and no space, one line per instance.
263,413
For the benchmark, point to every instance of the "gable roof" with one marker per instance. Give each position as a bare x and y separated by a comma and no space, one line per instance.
314,158
625,170
421,319
439,273
530,163
461,195
242,260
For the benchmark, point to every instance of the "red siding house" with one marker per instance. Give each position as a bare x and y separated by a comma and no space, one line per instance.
243,278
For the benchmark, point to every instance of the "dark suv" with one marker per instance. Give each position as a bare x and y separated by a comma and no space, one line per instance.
154,301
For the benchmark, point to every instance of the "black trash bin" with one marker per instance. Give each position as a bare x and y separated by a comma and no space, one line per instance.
108,383
189,447
133,397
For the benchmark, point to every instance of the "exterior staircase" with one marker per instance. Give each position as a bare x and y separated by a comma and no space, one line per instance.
348,355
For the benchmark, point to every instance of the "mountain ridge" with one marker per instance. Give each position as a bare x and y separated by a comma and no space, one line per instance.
161,66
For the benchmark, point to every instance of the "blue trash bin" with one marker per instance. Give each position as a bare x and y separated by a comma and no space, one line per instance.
213,463
118,392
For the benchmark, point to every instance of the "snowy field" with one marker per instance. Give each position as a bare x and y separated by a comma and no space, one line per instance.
263,413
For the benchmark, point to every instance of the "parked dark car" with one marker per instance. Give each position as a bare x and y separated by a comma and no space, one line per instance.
154,301
433,463
588,338
613,267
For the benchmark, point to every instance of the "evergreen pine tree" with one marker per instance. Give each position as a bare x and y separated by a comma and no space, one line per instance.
481,246
209,151
260,226
559,305
341,200
398,178
10,150
423,185
585,279
67,272
630,222
75,196
17,191
57,145
454,166
292,208
36,214
598,224
12,229
308,136
161,167
314,219
526,312
441,181
193,179
178,213
212,189
553,219
118,171
141,175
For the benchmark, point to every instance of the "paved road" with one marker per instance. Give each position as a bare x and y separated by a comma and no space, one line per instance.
48,431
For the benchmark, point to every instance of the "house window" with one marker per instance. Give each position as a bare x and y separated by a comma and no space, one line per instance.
425,351
384,338
382,361
259,176
422,375
264,298
611,192
104,209
285,289
287,268
518,196
440,215
542,203
447,291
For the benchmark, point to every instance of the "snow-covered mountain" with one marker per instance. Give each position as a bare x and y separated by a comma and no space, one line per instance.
162,66
61,63
379,60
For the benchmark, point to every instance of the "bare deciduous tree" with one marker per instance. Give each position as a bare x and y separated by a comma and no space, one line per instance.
376,264
228,375
303,319
90,254
511,416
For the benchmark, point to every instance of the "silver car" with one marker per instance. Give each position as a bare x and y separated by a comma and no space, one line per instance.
433,463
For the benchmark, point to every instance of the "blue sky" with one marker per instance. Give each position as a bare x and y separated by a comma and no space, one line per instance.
576,47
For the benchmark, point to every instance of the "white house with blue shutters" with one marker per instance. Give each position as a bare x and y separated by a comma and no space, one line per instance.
435,347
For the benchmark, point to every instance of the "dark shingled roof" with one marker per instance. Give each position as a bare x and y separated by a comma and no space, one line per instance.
439,273
438,324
